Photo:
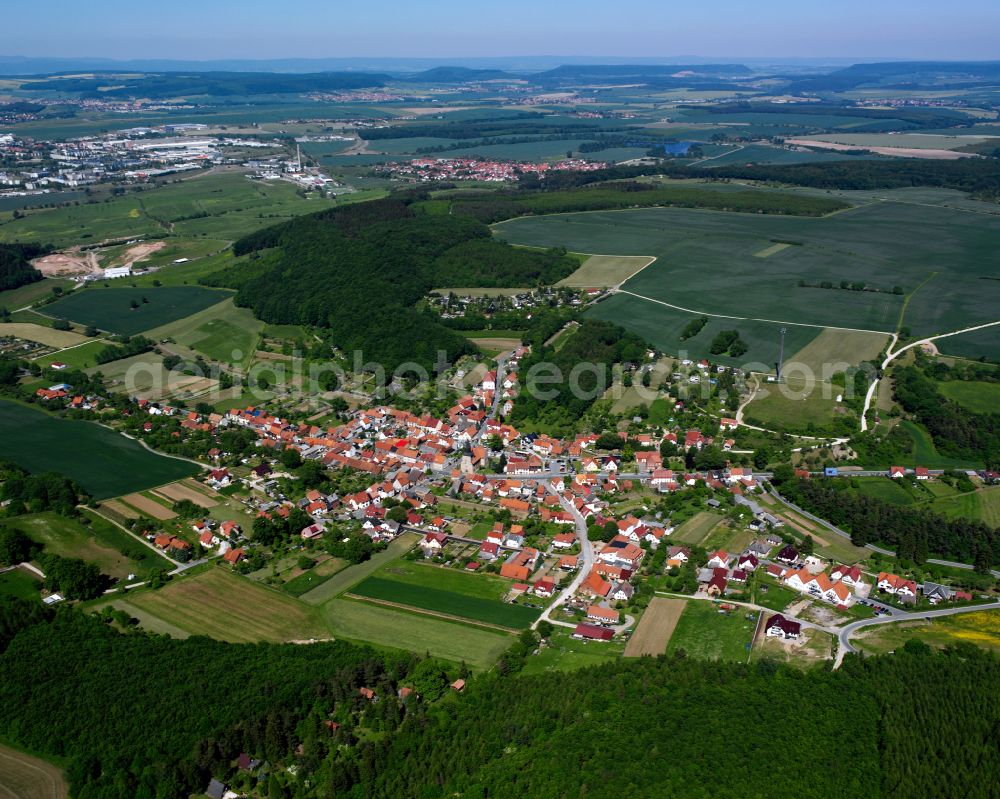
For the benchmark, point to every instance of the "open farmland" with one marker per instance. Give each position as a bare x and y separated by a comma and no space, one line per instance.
389,627
221,332
43,335
226,607
655,627
450,603
25,777
976,397
111,309
105,463
706,264
605,270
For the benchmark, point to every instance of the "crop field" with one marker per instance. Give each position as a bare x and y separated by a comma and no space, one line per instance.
483,586
111,309
975,396
696,529
762,154
149,507
13,299
451,603
604,270
219,205
25,777
201,496
705,264
103,462
657,624
43,335
826,354
706,633
388,627
221,332
343,580
982,505
230,608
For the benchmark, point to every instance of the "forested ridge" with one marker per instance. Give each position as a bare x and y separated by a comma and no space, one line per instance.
359,270
15,265
141,716
913,533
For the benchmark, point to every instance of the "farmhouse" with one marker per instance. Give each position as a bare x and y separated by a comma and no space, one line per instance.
601,615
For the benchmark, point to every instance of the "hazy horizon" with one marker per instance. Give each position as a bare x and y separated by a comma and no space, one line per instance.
383,29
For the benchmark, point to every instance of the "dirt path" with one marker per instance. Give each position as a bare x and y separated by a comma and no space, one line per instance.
25,777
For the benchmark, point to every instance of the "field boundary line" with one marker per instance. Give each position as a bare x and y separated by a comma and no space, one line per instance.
751,318
424,612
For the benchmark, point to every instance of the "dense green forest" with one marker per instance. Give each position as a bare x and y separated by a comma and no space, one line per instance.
573,377
914,533
496,206
956,431
359,270
142,716
15,265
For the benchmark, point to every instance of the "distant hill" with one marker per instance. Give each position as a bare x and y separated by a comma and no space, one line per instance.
457,75
904,74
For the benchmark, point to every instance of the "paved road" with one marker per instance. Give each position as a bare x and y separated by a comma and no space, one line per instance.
586,550
845,633
891,356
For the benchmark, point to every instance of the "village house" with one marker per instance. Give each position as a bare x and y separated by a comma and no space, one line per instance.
780,627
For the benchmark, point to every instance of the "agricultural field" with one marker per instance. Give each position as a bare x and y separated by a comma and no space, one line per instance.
563,652
43,335
706,264
974,396
103,462
221,332
982,505
884,489
230,608
25,777
389,627
655,628
21,297
604,270
311,578
352,575
111,309
697,529
445,602
827,354
220,205
981,628
707,633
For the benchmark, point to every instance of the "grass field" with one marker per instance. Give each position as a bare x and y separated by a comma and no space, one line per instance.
227,607
926,454
220,205
352,575
314,577
42,334
70,539
23,296
437,600
388,627
604,270
105,463
21,584
698,528
25,777
982,505
221,332
655,628
827,354
981,628
884,489
795,405
705,633
566,653
706,264
110,309
976,397
81,357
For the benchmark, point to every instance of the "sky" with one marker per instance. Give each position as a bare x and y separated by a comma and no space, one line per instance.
216,29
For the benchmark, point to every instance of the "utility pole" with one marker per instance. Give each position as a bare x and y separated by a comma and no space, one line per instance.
781,354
